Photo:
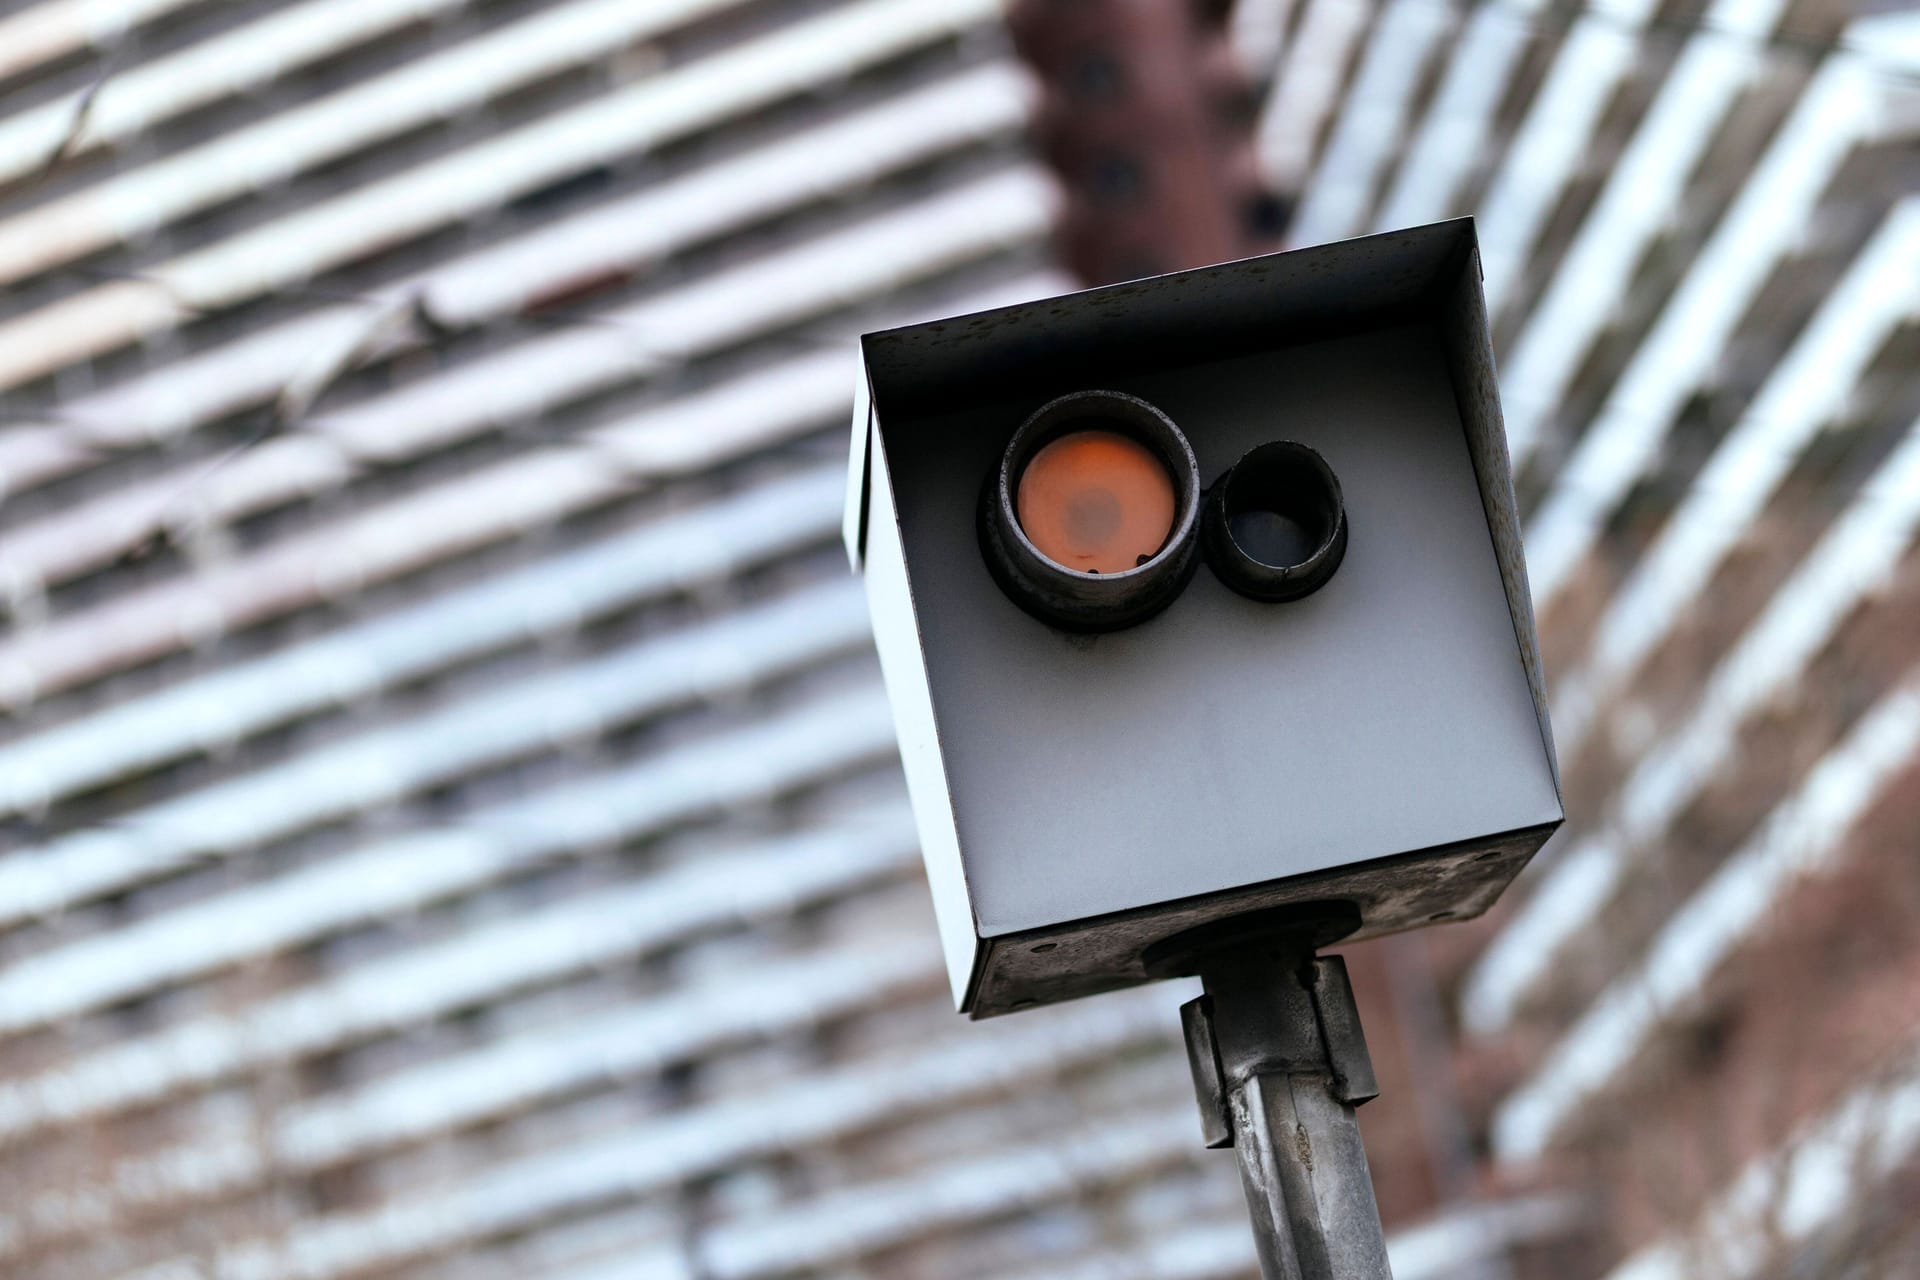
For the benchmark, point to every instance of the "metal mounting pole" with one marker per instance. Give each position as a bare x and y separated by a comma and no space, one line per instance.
1279,1064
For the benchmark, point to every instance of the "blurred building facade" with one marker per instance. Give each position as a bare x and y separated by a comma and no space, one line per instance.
452,826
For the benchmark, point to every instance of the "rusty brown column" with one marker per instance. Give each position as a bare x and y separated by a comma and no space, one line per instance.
1147,119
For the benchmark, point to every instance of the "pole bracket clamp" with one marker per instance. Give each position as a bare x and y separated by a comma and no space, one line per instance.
1349,1064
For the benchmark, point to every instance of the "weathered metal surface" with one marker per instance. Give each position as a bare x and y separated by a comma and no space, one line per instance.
1309,925
1464,331
1311,1140
1286,1035
1105,953
1203,1059
1340,1029
1271,1147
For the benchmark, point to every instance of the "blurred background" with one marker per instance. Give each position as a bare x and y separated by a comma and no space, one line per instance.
452,826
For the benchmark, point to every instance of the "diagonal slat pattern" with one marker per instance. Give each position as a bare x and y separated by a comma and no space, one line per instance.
452,822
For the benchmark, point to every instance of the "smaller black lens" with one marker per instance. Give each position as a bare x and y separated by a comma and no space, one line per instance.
1275,526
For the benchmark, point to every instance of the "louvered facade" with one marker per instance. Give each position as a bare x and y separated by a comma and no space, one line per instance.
452,821
1698,1010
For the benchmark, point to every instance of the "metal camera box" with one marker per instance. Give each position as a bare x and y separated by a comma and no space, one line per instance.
1230,735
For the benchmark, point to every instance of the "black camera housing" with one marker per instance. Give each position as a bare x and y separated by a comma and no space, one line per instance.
1378,744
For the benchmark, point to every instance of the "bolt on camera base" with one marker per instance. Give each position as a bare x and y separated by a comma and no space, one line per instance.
1279,1065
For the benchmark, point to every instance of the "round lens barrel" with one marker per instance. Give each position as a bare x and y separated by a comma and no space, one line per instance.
1097,501
1276,525
1091,521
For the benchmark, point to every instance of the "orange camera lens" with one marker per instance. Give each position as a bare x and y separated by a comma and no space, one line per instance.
1096,501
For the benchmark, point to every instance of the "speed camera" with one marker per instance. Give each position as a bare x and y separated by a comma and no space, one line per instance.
1198,597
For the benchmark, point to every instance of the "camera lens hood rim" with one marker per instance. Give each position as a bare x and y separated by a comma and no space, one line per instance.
1069,598
1255,578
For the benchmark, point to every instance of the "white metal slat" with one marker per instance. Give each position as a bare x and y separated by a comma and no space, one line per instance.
1806,391
1456,1242
127,206
1453,134
55,29
360,661
845,1225
1554,139
866,259
966,109
753,411
1197,1250
621,236
1258,32
1840,108
1218,1251
361,773
505,1078
512,1075
1371,120
241,61
376,216
1307,88
1643,192
1810,1183
1805,832
519,1196
1855,558
800,749
536,376
239,816
984,218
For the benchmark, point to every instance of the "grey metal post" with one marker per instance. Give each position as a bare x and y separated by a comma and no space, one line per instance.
1279,1065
